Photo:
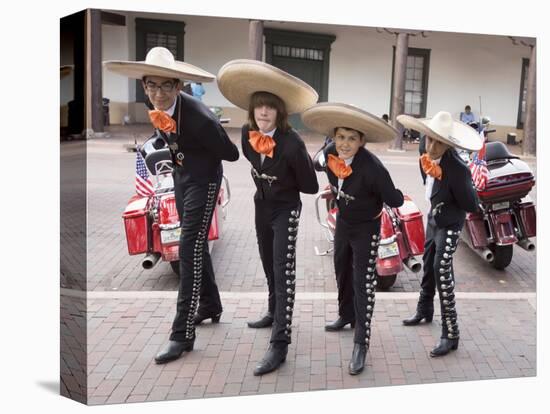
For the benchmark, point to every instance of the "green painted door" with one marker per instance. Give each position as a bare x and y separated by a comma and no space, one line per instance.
310,71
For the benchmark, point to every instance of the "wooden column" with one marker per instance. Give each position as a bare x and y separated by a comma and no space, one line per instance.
255,39
94,118
530,126
398,93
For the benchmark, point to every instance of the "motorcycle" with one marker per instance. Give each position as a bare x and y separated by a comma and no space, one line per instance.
401,233
152,223
508,214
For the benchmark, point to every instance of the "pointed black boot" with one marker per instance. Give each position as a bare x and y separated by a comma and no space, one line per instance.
444,346
200,317
417,318
339,324
358,356
264,322
275,356
173,351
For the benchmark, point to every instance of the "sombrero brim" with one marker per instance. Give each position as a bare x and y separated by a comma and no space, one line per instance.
325,117
180,70
461,136
239,79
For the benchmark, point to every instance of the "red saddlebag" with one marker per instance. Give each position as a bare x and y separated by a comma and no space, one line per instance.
412,226
135,224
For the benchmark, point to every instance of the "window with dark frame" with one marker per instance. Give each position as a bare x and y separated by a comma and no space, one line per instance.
298,52
151,33
416,81
523,93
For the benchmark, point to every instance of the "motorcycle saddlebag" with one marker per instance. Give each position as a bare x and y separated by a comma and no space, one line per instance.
475,225
135,224
412,226
528,217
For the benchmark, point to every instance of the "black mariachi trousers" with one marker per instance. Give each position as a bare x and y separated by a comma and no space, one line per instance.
195,204
277,231
355,252
441,243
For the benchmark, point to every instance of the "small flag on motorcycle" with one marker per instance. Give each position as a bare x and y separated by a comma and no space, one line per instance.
144,186
478,168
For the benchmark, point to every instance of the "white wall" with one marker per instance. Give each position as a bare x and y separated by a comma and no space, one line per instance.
115,47
462,66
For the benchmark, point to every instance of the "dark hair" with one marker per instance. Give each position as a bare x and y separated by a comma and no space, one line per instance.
176,81
361,135
467,107
273,101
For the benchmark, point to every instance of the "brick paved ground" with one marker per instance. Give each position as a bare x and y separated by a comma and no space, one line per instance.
124,333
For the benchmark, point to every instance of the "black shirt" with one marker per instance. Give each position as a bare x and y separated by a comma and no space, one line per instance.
454,194
202,140
369,185
286,175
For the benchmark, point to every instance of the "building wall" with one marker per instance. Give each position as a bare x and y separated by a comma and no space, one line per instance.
462,66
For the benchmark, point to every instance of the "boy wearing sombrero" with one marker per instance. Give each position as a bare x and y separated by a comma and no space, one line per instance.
198,144
451,194
281,170
360,184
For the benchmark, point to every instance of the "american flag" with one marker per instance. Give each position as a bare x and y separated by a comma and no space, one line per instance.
144,186
478,168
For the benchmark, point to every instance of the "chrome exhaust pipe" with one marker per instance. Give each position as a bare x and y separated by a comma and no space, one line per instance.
526,244
413,264
485,254
150,260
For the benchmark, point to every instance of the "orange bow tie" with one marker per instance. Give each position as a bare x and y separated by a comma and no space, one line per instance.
430,167
338,167
261,143
161,120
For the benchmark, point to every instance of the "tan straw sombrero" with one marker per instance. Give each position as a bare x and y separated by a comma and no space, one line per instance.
443,128
159,62
239,79
327,116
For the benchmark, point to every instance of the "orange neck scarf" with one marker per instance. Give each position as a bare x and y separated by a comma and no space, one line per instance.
161,120
338,167
261,143
430,167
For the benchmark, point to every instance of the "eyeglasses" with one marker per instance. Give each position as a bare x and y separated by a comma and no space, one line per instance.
164,87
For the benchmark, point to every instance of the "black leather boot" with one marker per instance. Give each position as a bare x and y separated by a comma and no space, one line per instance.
358,356
424,310
339,324
417,318
444,346
264,322
173,351
200,317
275,356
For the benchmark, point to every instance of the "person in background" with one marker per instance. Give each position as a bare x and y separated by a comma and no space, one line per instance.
467,116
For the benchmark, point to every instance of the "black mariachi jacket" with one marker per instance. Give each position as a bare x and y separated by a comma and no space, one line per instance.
202,140
364,191
454,194
281,179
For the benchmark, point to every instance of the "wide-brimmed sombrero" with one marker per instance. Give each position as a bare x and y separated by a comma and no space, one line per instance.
325,117
239,79
159,62
444,128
